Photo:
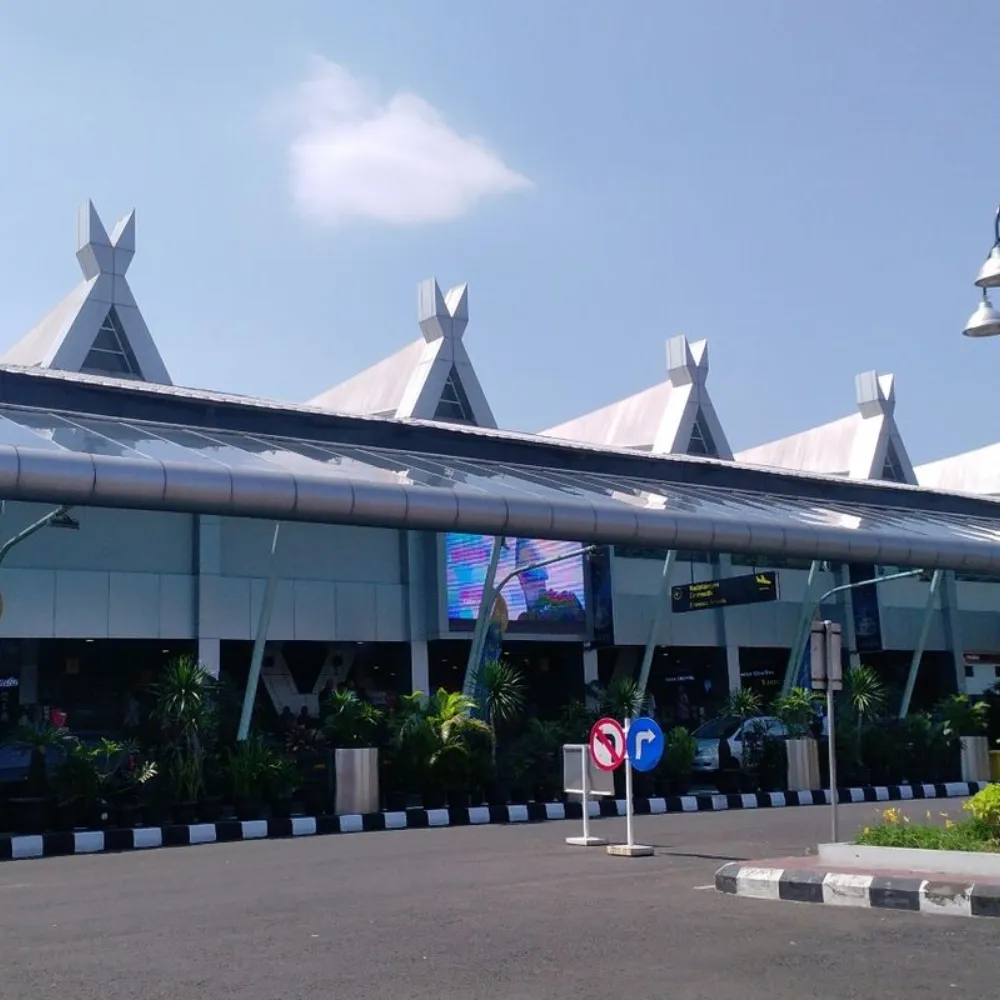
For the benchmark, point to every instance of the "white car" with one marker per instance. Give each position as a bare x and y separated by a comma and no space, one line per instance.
730,729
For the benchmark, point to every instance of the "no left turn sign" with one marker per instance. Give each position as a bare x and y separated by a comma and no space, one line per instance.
607,744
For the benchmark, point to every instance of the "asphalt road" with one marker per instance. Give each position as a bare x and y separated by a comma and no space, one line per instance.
493,912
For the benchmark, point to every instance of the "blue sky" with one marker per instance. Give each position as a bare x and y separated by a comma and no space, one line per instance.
809,186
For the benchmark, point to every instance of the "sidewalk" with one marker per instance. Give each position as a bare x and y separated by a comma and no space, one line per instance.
803,880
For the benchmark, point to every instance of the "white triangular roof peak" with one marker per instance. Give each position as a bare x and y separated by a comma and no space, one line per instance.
865,445
97,328
431,378
672,417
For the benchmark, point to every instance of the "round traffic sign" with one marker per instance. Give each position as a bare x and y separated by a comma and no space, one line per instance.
607,744
645,744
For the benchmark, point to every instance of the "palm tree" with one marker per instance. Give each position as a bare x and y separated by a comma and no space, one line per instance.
503,697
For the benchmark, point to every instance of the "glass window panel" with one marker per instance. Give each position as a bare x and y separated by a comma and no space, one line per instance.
22,433
144,439
300,456
106,339
202,444
128,440
93,437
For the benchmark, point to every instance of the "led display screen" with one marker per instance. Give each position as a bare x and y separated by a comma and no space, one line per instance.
538,599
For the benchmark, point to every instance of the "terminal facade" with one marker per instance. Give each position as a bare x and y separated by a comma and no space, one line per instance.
97,600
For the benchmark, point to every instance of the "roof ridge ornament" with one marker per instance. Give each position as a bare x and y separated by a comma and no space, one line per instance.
687,363
442,317
98,327
876,394
99,253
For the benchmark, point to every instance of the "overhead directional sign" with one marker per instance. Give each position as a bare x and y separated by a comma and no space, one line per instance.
607,744
753,588
644,744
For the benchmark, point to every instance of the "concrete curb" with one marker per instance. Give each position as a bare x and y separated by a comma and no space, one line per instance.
46,845
959,898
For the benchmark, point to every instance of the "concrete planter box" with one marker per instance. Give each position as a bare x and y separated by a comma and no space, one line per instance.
803,765
357,781
975,758
963,864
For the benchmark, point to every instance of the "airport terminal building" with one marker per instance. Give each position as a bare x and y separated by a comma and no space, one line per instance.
389,490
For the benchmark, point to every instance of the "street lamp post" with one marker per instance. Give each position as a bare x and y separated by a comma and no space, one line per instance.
985,321
58,518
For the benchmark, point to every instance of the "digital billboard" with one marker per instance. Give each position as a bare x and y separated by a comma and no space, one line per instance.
538,599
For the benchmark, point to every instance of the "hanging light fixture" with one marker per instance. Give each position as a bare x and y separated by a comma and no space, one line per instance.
985,321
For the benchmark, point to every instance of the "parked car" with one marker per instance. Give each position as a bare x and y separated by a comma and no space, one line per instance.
731,729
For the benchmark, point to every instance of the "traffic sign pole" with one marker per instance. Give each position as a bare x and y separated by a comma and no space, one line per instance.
628,792
633,747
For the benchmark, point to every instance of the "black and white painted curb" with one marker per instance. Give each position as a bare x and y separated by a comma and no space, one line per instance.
14,848
959,897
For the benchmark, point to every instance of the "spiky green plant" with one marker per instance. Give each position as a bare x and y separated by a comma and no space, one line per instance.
743,703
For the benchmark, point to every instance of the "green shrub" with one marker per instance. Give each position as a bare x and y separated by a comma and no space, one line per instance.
796,711
963,716
896,830
985,807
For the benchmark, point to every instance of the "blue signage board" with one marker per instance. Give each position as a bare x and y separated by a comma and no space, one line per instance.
644,744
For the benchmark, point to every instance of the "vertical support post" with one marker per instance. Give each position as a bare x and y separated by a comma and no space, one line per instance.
629,841
486,602
260,640
918,651
826,672
585,795
801,635
832,750
654,628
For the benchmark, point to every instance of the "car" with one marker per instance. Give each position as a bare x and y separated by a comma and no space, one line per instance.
730,728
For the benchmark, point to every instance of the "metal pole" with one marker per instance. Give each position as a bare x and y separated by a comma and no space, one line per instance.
792,668
585,786
654,628
260,640
31,529
801,636
831,744
628,791
486,600
918,651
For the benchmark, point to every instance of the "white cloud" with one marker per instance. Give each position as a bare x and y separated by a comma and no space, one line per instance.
396,162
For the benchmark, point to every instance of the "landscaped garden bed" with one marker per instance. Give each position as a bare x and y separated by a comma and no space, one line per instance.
965,846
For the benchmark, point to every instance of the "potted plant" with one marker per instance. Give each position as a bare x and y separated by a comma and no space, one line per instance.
30,808
796,710
458,739
249,767
186,714
134,777
89,779
183,774
283,781
502,691
965,721
313,759
536,761
862,700
354,728
678,759
412,742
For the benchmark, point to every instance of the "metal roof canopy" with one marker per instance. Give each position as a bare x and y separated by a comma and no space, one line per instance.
241,458
204,409
717,522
